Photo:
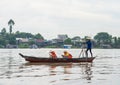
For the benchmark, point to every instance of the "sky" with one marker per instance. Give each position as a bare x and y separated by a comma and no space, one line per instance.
53,17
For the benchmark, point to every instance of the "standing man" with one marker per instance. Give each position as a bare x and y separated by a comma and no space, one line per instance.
89,47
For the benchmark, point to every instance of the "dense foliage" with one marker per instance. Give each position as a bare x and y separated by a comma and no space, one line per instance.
103,39
10,38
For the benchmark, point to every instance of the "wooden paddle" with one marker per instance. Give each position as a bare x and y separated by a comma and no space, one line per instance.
81,52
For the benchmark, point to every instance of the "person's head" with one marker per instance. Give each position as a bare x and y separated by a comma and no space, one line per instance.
65,52
88,38
51,51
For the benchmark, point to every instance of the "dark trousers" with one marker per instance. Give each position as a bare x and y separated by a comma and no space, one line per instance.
90,50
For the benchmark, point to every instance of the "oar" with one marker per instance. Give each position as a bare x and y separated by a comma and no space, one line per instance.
80,52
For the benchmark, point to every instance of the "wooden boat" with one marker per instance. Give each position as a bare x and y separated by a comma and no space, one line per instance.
57,60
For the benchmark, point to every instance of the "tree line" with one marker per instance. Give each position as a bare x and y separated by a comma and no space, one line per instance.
10,38
100,40
104,39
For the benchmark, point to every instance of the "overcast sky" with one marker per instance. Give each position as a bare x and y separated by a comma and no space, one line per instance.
53,17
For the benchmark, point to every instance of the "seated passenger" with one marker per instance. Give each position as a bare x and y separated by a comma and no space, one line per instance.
67,55
52,54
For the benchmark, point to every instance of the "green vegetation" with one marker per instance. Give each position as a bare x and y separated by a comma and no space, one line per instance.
68,41
11,23
103,39
10,39
25,45
28,40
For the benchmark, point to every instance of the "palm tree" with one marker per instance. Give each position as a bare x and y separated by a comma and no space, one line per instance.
11,23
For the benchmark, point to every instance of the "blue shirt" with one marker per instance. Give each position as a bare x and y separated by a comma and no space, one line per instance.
89,44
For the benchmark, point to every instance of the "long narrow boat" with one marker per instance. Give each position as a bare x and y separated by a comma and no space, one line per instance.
57,60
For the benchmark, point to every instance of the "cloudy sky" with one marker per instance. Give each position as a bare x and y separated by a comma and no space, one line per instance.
53,17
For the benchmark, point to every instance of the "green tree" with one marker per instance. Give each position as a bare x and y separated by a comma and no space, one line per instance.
11,39
11,23
24,45
67,41
2,42
38,36
103,38
3,32
23,35
118,42
114,42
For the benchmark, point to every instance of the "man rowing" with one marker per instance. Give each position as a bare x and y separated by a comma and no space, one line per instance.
89,46
67,55
52,54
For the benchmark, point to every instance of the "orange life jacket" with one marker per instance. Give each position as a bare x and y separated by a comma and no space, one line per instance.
53,55
68,55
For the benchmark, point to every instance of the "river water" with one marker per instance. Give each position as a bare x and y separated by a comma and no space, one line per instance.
14,70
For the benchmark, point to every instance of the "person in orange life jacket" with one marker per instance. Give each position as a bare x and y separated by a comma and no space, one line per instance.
52,54
67,55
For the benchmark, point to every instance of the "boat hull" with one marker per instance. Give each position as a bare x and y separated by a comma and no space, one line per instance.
57,60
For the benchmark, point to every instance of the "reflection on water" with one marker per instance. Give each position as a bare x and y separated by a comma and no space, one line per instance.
83,69
64,71
14,70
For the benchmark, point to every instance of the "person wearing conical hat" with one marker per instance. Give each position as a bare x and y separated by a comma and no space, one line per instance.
89,46
67,55
52,54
